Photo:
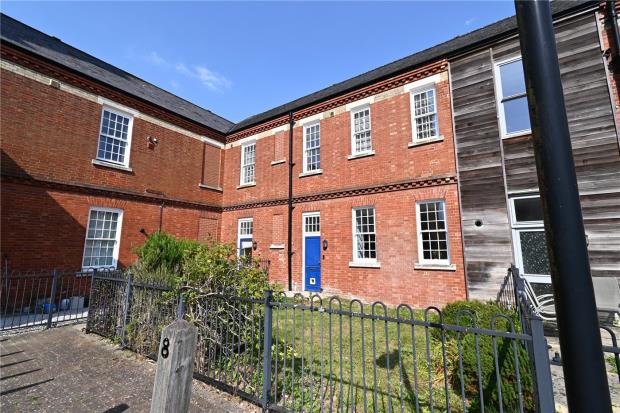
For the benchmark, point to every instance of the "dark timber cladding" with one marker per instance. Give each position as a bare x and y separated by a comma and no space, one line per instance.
491,169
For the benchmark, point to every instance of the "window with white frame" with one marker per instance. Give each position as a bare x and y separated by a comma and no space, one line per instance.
512,97
102,238
529,239
248,163
361,131
432,233
114,136
312,147
424,114
364,235
312,223
244,235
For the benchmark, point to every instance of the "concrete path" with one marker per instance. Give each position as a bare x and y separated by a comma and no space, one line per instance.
65,370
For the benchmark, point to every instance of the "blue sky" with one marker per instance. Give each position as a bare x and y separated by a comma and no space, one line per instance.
239,59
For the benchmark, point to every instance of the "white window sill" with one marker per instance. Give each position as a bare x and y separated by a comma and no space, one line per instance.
276,247
111,165
310,173
246,185
361,155
278,162
425,142
355,264
434,267
517,134
215,188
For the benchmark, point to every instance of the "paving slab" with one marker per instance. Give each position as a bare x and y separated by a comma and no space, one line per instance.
66,370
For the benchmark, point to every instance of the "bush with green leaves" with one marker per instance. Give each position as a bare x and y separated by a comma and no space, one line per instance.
216,268
200,272
160,258
486,316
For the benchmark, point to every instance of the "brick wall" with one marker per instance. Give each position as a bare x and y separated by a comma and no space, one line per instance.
49,183
397,247
394,162
51,134
45,228
391,135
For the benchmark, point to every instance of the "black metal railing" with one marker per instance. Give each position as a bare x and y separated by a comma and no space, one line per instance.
310,353
130,312
43,298
513,295
507,295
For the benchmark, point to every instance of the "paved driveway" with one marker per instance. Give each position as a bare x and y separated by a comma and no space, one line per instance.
65,370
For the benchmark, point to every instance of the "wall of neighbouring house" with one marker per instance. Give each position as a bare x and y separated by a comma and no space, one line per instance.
491,169
49,139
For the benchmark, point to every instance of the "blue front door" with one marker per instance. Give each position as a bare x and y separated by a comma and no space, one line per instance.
312,262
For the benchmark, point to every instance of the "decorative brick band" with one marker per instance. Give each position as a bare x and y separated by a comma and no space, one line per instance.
115,193
371,90
321,196
9,52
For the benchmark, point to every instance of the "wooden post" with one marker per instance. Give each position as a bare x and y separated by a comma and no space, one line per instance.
175,365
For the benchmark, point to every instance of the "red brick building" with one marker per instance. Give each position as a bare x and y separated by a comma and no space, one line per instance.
355,159
94,159
369,188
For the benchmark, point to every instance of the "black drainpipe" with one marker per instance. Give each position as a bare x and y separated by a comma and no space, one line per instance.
611,5
291,122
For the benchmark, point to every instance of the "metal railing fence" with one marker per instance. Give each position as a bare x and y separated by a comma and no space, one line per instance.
512,296
314,354
132,313
45,298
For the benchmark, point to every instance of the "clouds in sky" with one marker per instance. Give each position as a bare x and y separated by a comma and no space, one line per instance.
210,79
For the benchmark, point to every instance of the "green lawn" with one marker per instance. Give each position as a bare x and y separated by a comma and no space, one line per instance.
330,362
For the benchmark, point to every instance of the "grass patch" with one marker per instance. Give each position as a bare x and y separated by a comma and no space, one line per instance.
325,361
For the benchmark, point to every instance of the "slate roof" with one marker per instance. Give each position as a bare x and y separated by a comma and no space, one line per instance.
455,46
27,38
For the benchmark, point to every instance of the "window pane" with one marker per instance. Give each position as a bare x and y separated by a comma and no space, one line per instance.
362,133
513,82
100,238
312,148
113,137
433,232
528,209
365,237
516,115
534,252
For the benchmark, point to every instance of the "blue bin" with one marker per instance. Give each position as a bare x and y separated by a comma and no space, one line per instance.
49,307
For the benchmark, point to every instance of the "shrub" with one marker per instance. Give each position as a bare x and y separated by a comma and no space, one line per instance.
216,268
162,254
484,314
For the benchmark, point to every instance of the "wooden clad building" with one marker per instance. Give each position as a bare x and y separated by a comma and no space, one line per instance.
501,211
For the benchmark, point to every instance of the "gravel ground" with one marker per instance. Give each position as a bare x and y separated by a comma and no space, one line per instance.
65,370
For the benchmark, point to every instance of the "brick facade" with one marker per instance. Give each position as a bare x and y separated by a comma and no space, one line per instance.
49,182
190,186
408,174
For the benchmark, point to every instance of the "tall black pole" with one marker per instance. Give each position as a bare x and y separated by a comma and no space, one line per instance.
580,340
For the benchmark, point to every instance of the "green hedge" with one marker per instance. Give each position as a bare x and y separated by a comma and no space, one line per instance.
484,313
